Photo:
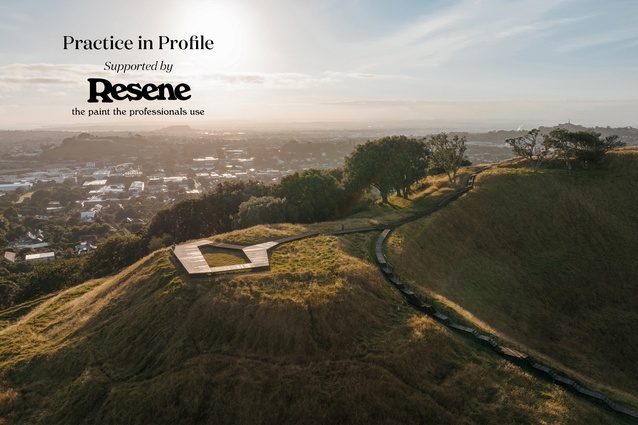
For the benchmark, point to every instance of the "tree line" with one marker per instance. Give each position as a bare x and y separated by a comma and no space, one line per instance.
582,147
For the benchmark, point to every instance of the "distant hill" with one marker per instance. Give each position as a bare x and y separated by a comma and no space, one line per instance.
176,129
319,339
547,259
88,147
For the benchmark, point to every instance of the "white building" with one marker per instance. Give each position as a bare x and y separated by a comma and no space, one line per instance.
137,186
44,256
112,188
101,174
94,183
12,187
87,216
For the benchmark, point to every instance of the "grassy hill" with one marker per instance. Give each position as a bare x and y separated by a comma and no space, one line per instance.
320,339
548,259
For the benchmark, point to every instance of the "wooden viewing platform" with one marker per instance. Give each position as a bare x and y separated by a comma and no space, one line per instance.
191,257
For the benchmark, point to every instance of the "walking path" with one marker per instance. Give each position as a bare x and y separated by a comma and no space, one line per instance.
193,261
515,356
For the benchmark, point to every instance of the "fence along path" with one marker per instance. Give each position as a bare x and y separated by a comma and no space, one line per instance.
513,355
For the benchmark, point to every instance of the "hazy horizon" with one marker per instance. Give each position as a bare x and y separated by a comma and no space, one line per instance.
507,64
408,127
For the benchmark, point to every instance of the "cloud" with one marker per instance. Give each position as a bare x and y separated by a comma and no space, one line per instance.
261,80
35,80
290,80
539,27
626,35
20,76
436,38
379,103
364,76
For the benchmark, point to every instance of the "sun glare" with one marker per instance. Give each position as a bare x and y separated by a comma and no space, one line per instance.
225,24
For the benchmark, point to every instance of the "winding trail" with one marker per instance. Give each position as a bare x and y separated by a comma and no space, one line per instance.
514,356
190,256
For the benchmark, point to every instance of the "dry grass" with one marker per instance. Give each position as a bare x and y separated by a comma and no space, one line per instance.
9,401
329,344
313,255
217,257
259,234
547,259
320,339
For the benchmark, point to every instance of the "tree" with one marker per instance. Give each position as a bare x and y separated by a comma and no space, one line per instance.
394,162
4,229
448,154
115,253
262,210
314,194
208,215
533,146
411,163
157,242
41,197
366,167
8,289
586,147
11,214
50,277
612,142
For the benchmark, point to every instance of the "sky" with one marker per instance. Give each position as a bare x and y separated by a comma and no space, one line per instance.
505,63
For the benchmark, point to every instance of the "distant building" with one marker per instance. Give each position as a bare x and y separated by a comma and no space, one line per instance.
95,183
156,185
54,207
246,161
112,188
12,187
133,173
9,256
32,240
137,187
43,256
84,248
87,216
101,174
207,162
9,178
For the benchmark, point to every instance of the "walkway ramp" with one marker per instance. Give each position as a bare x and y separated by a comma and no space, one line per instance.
191,257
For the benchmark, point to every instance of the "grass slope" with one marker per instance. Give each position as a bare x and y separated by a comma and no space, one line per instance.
217,257
320,339
548,259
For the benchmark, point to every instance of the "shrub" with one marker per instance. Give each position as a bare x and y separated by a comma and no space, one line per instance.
115,253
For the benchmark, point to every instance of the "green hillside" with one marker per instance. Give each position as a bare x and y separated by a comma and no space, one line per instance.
320,339
548,260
